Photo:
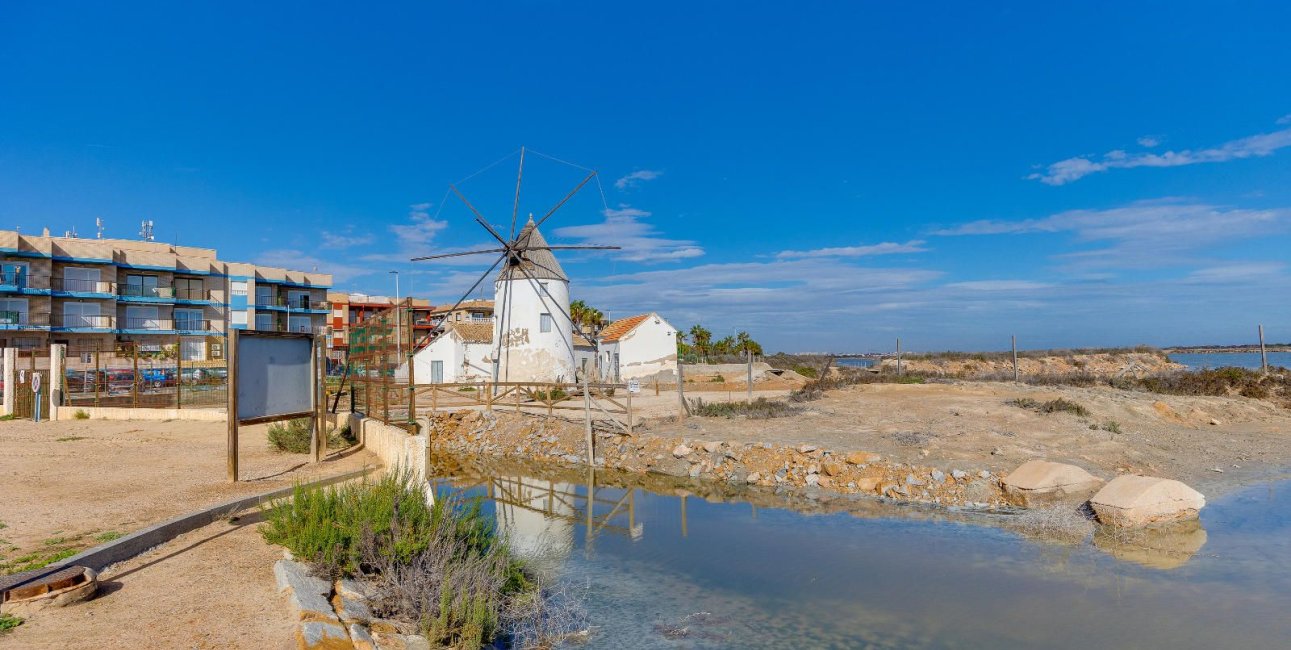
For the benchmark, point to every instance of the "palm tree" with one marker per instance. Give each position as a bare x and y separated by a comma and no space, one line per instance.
702,340
586,318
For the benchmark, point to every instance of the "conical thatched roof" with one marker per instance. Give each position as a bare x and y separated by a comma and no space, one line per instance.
540,264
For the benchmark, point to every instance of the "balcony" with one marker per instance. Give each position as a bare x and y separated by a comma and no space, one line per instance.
21,320
143,293
147,325
84,287
19,280
192,295
299,303
82,322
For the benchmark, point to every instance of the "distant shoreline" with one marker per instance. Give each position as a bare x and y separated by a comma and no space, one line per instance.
1227,350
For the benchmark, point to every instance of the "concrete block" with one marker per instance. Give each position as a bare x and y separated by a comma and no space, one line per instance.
1134,501
1040,482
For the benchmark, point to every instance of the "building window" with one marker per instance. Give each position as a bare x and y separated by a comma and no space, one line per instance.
142,285
77,278
189,320
238,288
14,274
13,311
142,318
300,324
264,296
81,314
238,317
190,288
544,323
264,322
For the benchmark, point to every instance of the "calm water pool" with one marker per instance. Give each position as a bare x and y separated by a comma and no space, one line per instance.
1249,360
735,575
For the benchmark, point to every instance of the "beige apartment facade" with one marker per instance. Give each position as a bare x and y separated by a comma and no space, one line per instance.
96,294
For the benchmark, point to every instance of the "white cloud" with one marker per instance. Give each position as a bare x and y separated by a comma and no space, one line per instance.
416,237
636,178
885,248
1149,141
639,240
1143,233
1285,119
1240,272
340,241
1073,169
999,285
297,260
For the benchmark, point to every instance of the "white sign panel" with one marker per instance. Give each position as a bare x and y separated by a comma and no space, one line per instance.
275,375
634,385
35,383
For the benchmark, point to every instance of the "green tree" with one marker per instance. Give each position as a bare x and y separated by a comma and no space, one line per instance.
587,319
702,341
745,343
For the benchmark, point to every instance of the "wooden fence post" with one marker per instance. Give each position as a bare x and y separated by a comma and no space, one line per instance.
1015,356
629,409
1264,358
898,355
748,358
587,427
681,391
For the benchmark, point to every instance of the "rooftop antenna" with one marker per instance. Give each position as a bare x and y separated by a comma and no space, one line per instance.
71,234
98,223
145,229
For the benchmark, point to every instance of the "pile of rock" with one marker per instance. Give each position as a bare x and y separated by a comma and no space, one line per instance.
336,616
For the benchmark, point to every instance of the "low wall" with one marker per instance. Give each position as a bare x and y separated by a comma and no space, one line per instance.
134,413
394,446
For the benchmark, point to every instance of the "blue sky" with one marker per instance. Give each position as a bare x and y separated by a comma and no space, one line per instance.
828,176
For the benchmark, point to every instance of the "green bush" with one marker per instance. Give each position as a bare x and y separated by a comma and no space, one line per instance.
806,371
9,622
291,437
442,566
1059,405
81,414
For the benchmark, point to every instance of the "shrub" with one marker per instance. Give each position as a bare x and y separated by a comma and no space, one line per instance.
759,409
1059,405
9,622
1112,426
554,395
291,437
717,379
81,414
806,371
442,566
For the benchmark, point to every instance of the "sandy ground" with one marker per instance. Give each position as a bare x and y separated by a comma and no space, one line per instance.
68,482
74,480
968,425
209,588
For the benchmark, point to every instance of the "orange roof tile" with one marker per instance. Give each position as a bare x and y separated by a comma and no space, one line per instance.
615,331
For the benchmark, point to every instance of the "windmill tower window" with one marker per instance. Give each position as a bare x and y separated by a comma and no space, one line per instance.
544,323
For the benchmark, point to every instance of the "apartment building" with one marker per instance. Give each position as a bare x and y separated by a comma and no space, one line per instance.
350,309
470,311
92,294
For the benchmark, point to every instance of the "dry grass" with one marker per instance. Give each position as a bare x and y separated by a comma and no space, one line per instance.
759,409
1064,524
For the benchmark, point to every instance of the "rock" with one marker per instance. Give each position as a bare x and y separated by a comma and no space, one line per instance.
781,473
813,469
911,480
823,481
958,474
351,589
984,473
361,638
308,596
671,467
979,491
351,610
862,458
312,635
753,478
681,451
712,446
1214,422
832,469
938,476
1132,501
813,480
696,470
867,483
807,449
1039,482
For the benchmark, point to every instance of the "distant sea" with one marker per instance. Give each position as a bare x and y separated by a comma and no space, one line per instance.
1230,359
855,363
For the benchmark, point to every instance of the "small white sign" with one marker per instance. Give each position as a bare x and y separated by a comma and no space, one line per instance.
35,382
634,385
22,376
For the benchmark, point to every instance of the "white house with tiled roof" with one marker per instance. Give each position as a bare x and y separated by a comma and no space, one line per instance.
462,353
638,347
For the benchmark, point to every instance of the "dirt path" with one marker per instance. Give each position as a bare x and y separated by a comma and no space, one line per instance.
70,484
209,588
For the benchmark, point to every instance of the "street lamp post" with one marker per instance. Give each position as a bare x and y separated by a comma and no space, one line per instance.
398,319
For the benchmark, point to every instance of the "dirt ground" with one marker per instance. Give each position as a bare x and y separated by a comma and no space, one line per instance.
209,588
968,425
70,482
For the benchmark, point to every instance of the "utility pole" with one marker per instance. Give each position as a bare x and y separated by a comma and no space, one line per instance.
898,355
1264,357
398,320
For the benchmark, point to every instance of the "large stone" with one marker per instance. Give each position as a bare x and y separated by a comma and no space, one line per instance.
351,610
361,637
681,451
712,446
1133,501
308,595
1040,482
862,458
318,635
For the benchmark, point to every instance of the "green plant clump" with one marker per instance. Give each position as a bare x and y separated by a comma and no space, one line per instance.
1059,405
440,565
9,622
293,436
81,414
